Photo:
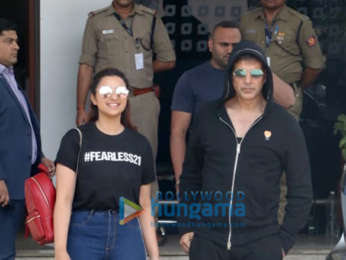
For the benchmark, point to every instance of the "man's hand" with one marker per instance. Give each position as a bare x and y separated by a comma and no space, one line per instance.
4,196
180,123
185,241
50,166
82,117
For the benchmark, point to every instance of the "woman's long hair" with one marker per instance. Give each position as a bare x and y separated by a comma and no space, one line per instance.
109,72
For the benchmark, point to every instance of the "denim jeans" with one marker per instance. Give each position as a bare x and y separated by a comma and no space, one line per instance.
11,219
97,235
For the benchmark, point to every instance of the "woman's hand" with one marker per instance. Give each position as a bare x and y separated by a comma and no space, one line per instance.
147,222
62,255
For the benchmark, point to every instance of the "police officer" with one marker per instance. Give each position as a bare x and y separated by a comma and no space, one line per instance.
292,50
125,36
290,43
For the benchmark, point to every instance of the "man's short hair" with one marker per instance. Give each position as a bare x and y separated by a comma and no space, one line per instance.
7,25
224,24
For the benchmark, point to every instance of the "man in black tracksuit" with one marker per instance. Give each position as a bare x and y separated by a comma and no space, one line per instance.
230,186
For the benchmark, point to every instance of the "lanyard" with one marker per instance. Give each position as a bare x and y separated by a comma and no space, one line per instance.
124,25
268,32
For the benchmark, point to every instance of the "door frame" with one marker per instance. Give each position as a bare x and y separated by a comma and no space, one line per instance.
33,65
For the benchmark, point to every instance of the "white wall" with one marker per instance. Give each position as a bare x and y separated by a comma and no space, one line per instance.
62,24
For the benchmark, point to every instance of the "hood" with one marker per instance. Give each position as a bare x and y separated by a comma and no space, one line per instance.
247,47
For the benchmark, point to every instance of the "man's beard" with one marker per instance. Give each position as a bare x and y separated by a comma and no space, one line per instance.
222,64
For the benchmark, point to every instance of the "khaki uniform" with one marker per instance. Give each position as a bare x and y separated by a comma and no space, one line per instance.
290,50
106,44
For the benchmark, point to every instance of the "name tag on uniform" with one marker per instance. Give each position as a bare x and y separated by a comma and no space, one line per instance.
139,60
107,31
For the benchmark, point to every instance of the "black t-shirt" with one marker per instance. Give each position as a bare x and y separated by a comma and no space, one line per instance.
110,166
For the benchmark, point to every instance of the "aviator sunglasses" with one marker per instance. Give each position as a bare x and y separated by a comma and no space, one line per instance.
255,73
107,91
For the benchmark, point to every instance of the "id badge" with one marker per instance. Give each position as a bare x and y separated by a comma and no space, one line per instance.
139,60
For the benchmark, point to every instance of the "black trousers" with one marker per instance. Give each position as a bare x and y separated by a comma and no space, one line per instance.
268,248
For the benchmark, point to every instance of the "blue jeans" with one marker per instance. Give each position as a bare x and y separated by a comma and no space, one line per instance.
11,219
97,235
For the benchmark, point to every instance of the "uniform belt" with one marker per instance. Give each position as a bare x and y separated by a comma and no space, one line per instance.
141,91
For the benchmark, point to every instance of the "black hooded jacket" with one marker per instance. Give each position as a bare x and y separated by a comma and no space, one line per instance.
219,171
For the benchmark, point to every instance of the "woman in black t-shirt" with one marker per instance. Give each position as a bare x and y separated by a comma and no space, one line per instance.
100,180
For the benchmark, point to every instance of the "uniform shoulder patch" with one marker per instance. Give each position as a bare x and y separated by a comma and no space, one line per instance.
311,41
93,13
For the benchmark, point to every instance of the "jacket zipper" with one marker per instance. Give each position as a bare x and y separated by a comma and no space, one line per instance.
229,244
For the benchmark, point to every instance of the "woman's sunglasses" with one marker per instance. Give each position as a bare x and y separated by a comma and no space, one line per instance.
107,91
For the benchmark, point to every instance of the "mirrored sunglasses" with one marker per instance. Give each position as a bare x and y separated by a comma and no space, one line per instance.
241,73
107,91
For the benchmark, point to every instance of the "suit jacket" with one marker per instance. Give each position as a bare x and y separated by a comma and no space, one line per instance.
16,142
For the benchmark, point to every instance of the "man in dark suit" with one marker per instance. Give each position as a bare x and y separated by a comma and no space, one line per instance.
20,145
